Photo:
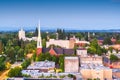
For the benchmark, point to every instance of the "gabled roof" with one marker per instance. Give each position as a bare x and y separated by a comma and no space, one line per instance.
45,50
59,51
81,49
52,51
69,51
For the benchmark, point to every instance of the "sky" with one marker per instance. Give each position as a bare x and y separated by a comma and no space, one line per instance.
65,14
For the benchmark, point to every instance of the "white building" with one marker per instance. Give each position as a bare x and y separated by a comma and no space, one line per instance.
21,34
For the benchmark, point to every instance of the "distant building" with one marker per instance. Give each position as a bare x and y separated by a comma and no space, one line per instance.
68,44
81,52
94,71
71,64
21,34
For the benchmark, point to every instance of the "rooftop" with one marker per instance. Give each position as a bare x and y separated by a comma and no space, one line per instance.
71,57
42,65
93,66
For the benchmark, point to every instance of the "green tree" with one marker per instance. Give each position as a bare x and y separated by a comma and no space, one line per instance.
61,34
15,72
20,54
118,41
78,35
1,47
36,32
95,48
26,63
61,62
10,52
34,57
43,43
107,40
113,58
111,49
2,63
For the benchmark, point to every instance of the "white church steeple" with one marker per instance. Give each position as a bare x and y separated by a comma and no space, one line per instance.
39,42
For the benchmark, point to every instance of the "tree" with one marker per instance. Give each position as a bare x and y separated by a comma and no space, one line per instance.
118,41
95,48
113,58
61,34
10,52
61,62
20,54
15,72
111,49
107,41
91,50
104,50
29,47
78,35
54,58
36,32
26,63
1,46
2,63
34,56
43,43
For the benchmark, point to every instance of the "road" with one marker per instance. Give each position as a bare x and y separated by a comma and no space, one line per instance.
4,75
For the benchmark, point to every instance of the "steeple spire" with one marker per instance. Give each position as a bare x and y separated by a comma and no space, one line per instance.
39,42
39,35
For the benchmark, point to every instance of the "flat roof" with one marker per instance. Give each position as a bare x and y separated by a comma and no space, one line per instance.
93,66
72,57
42,65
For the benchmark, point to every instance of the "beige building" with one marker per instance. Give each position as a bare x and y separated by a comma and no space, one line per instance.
68,44
93,71
62,43
71,64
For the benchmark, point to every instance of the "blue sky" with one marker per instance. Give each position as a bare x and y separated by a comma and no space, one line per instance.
53,14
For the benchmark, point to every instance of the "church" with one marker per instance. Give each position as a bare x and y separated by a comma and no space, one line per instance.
52,50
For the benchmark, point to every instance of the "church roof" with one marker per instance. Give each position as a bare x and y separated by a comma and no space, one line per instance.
59,50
